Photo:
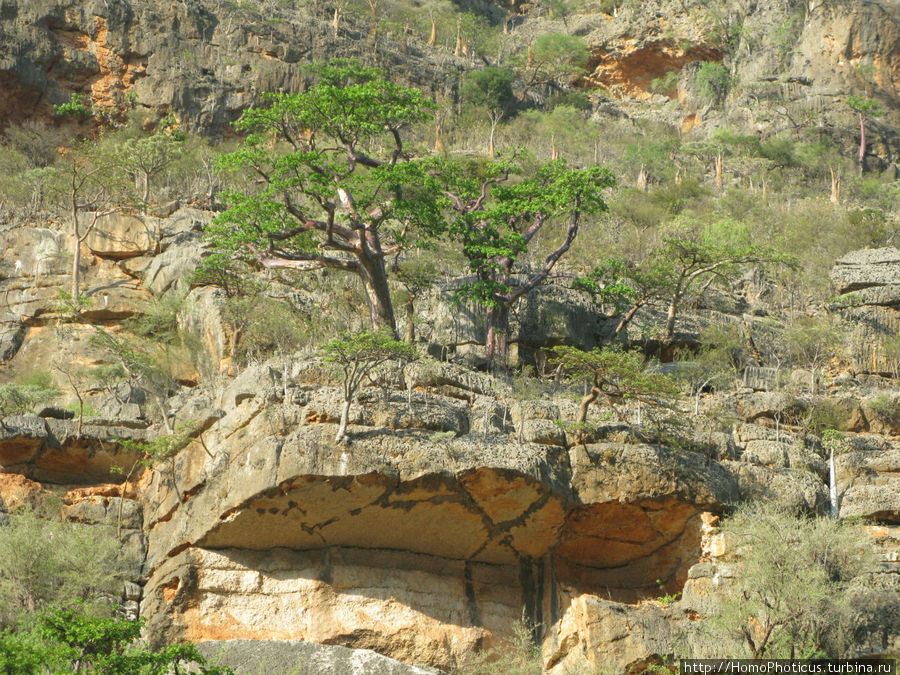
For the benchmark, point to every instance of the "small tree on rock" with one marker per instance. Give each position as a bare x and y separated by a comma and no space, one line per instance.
617,376
356,356
865,109
495,219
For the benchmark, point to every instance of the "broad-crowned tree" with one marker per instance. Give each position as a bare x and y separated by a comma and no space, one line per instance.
327,197
496,210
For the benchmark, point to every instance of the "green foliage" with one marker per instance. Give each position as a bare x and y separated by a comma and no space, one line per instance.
355,356
45,562
144,157
323,189
68,640
780,151
619,376
264,326
864,106
74,107
667,598
490,87
36,141
157,319
159,448
796,591
555,57
811,340
664,84
713,81
609,283
33,389
496,233
576,100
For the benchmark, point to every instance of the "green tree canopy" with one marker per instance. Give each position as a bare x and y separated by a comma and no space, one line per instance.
496,210
490,87
325,197
355,356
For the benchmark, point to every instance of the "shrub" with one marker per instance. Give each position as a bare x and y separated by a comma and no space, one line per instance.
713,81
33,389
67,640
664,83
47,563
796,592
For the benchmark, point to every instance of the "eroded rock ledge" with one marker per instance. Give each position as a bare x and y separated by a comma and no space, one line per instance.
424,537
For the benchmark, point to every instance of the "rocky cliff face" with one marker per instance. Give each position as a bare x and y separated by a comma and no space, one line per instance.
206,61
456,506
460,502
792,64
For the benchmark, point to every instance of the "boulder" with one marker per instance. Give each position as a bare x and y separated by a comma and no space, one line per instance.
795,489
121,235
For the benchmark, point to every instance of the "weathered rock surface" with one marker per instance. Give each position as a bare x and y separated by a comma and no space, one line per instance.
267,657
420,538
871,304
52,451
863,269
205,61
868,479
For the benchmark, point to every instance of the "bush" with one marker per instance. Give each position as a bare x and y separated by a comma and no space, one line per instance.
490,87
67,640
47,563
265,327
665,83
797,590
33,389
520,657
713,81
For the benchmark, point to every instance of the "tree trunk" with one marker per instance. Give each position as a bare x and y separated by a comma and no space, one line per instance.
497,339
491,150
670,319
862,141
626,319
720,167
345,414
641,182
146,199
835,188
76,268
438,141
378,296
410,320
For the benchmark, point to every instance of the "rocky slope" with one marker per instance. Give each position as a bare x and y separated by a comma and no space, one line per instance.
792,64
460,502
457,503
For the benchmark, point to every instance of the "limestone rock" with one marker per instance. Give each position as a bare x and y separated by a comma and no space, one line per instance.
769,404
866,268
782,455
268,657
868,480
11,335
121,235
794,488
